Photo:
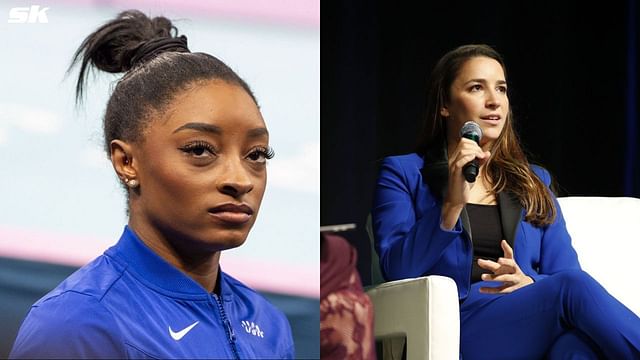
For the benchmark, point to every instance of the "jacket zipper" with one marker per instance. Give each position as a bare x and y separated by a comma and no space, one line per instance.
227,325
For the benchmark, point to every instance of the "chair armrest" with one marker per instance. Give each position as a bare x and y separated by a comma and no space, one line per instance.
425,310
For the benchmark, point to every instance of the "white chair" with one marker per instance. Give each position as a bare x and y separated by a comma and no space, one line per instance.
426,309
605,235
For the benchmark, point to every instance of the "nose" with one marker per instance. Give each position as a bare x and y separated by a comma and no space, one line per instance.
235,180
493,100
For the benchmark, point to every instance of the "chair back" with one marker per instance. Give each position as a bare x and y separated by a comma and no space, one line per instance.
604,231
376,273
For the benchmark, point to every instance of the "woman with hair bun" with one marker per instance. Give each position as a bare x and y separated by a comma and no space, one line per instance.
188,142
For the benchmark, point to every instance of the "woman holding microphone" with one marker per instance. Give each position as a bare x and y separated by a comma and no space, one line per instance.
499,235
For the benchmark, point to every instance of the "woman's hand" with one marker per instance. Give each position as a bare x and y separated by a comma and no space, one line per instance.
505,271
458,188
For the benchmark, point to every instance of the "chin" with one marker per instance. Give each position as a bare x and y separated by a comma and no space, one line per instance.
225,239
491,135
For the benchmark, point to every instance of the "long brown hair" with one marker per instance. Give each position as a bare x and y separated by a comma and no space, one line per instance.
508,169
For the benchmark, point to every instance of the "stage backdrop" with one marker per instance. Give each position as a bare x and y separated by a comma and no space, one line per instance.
573,79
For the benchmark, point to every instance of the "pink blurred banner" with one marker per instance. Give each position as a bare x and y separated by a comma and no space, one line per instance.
76,250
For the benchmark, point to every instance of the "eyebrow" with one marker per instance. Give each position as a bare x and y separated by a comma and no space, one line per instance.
199,127
253,133
257,132
484,81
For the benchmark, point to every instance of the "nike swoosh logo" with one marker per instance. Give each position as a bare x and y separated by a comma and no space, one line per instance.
180,334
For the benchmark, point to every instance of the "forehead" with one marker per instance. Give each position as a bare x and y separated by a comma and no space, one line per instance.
481,67
216,102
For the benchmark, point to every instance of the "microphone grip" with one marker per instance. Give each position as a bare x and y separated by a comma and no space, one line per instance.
470,171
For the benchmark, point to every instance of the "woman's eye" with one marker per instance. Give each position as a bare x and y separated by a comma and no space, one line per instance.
261,155
476,87
199,149
502,89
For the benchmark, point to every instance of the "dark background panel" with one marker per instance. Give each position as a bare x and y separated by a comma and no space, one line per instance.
571,77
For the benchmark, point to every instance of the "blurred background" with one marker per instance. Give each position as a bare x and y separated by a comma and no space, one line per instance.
60,202
572,69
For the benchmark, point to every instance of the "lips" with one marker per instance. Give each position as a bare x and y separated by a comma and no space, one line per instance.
234,214
492,119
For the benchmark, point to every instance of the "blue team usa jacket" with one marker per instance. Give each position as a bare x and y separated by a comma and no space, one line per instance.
130,303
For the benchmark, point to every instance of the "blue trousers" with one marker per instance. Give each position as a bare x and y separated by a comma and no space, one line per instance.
568,315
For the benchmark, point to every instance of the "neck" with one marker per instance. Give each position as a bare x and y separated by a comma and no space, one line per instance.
201,266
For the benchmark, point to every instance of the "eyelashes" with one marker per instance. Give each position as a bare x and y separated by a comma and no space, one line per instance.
262,154
478,87
198,148
202,149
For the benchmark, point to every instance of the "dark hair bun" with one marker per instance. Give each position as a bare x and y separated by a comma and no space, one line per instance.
114,45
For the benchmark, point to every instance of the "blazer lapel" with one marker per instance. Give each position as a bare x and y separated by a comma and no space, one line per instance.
510,214
466,225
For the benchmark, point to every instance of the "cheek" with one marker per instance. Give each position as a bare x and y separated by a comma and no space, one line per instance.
172,184
474,105
466,105
260,184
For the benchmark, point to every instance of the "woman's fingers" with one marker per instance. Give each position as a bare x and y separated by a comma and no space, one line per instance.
505,278
464,161
503,266
468,150
469,154
503,289
484,158
508,251
505,271
489,265
508,266
507,287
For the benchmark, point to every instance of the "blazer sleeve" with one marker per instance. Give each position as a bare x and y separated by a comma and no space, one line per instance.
408,244
556,252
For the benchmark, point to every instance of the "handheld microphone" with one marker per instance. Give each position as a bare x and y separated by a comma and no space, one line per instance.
471,130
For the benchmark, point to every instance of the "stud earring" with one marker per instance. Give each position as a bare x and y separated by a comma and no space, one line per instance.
132,183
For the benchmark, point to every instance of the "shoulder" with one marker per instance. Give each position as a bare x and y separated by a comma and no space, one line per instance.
542,173
406,166
408,161
94,279
71,321
68,324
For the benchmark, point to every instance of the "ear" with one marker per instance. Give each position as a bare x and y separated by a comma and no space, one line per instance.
123,161
444,111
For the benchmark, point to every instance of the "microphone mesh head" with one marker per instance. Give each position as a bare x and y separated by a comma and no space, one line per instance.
471,129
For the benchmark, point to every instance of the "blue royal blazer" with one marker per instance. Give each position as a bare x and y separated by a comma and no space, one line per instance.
410,242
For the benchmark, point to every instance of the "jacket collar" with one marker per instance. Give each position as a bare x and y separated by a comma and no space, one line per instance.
152,270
